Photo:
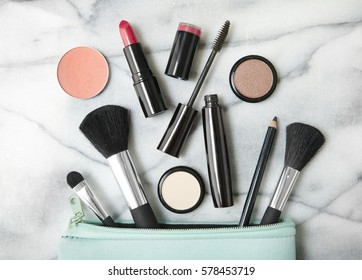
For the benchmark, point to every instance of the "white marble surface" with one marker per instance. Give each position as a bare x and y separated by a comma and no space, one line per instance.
316,47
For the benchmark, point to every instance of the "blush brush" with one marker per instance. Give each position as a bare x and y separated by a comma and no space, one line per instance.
302,143
107,128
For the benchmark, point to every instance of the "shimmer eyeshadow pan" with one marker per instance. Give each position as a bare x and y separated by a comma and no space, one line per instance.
83,72
253,78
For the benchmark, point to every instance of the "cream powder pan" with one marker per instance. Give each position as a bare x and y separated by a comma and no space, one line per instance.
181,189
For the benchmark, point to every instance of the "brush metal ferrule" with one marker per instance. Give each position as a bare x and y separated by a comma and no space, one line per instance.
88,198
127,178
285,186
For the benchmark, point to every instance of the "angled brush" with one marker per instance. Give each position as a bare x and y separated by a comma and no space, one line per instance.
77,182
302,143
107,128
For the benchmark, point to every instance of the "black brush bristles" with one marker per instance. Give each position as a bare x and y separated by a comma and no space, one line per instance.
107,129
74,178
221,36
303,142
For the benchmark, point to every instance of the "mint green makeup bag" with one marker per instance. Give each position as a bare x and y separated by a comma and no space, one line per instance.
83,240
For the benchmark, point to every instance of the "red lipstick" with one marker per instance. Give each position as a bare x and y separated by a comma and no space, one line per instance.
127,34
145,83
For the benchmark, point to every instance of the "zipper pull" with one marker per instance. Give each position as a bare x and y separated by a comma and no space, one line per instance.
77,209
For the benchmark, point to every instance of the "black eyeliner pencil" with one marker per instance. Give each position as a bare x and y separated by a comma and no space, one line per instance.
258,173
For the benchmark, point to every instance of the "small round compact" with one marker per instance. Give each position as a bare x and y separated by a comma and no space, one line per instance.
83,72
181,189
253,78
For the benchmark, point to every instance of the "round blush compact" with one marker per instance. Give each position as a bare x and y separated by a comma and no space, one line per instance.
181,189
253,78
83,72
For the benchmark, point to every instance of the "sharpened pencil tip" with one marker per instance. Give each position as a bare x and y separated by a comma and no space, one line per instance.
274,122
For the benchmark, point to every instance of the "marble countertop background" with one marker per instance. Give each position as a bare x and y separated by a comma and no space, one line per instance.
316,47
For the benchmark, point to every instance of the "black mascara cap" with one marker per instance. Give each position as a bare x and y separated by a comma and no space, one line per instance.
183,51
177,130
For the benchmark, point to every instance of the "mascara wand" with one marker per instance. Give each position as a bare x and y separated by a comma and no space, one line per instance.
216,47
302,143
183,117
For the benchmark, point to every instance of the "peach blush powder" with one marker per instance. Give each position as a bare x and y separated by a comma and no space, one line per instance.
181,189
83,72
253,78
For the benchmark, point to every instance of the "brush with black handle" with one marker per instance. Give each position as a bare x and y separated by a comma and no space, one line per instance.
302,143
77,182
107,128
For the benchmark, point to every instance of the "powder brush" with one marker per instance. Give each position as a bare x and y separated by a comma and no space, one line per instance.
80,186
302,143
107,128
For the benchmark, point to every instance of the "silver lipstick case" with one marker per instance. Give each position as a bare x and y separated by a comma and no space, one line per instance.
217,152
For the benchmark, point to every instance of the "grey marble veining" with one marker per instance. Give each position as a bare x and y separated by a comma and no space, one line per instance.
315,46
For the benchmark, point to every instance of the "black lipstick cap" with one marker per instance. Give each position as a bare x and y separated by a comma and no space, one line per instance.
183,51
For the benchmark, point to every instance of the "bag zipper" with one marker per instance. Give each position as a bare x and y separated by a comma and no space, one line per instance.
78,218
77,209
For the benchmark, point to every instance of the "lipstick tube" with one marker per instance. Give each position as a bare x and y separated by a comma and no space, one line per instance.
145,83
217,153
183,51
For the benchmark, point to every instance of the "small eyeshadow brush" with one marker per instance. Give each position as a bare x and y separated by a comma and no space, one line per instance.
107,128
80,186
302,143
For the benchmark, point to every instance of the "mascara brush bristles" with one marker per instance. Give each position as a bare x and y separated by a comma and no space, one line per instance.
302,143
221,36
216,47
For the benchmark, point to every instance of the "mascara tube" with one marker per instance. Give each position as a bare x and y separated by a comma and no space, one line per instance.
217,153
